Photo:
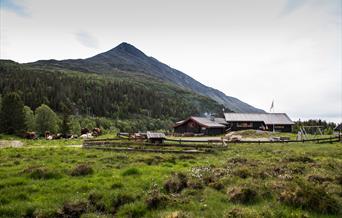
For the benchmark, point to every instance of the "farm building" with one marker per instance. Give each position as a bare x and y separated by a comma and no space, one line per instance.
155,137
259,121
201,125
338,128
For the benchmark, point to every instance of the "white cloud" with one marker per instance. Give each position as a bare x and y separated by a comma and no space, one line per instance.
248,49
87,39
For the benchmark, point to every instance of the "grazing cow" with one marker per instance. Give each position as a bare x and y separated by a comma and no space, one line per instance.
86,136
96,132
84,131
48,135
30,135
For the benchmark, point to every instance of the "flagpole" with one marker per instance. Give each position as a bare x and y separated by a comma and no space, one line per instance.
273,121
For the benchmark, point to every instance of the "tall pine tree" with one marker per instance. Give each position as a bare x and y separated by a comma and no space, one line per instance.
12,118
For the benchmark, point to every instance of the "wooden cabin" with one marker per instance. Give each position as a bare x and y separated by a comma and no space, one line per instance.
259,121
201,125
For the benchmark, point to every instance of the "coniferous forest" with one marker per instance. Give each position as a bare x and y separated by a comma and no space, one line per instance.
94,95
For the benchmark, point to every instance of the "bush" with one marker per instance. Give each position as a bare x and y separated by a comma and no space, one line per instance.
73,210
240,213
154,198
96,201
242,172
121,199
243,195
309,197
116,185
133,210
131,172
41,173
82,170
216,185
178,214
319,179
303,159
176,183
194,183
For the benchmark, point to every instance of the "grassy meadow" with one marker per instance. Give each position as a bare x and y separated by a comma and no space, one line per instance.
53,179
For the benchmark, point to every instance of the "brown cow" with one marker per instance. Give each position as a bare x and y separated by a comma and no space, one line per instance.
30,135
84,131
96,132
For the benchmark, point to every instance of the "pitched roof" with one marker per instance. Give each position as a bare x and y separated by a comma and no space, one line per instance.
204,122
155,135
339,127
267,118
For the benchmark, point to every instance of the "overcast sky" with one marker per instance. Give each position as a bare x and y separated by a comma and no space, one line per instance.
257,51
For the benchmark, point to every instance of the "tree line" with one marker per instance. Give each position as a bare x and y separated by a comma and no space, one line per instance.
101,95
17,118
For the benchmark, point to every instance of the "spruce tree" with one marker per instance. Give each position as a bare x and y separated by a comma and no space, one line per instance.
29,119
65,126
12,119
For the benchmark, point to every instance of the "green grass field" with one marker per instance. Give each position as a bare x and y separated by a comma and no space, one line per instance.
53,179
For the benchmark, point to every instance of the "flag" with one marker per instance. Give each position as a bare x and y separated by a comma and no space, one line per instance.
272,106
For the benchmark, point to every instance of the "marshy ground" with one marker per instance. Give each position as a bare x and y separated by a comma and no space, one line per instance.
54,179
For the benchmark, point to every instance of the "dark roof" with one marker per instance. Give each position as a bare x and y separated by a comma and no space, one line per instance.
339,127
207,122
267,118
155,135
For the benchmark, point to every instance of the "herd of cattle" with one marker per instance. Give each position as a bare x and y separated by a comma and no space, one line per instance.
85,134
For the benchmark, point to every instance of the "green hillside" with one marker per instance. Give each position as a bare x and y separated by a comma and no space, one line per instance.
117,96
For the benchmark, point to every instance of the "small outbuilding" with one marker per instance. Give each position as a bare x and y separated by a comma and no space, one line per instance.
259,121
201,125
338,128
155,137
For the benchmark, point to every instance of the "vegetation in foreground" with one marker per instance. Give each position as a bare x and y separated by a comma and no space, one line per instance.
247,180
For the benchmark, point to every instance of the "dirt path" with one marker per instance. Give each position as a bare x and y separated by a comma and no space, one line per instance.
11,143
19,144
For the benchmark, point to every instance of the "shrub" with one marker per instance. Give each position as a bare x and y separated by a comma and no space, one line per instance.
217,185
121,199
319,179
178,214
243,195
96,201
154,198
194,183
133,210
176,183
242,172
116,185
74,210
82,170
240,213
237,160
339,180
303,159
131,172
41,173
309,197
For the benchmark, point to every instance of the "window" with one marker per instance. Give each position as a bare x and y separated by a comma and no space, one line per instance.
245,124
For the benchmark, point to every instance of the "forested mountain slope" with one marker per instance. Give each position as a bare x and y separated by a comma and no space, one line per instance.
101,94
127,59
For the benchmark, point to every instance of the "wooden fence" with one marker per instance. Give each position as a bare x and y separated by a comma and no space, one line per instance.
183,146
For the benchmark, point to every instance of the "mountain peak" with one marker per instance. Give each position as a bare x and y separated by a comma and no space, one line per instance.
128,48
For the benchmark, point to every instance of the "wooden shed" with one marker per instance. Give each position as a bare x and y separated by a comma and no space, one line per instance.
155,137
